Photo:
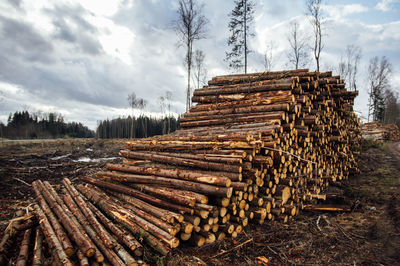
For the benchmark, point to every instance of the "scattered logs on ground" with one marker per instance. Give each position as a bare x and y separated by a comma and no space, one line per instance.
64,228
378,132
256,147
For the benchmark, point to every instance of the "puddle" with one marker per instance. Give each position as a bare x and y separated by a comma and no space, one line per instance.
96,160
60,157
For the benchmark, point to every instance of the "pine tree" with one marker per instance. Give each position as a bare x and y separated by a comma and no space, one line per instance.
379,72
241,18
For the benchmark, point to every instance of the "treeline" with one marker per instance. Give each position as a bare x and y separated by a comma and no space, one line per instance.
23,125
140,127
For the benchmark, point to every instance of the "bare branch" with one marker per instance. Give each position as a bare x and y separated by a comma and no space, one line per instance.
268,56
200,72
297,55
348,66
314,11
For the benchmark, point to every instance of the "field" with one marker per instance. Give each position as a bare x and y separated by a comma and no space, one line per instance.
369,234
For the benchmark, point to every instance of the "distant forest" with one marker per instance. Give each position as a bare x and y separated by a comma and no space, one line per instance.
23,125
140,127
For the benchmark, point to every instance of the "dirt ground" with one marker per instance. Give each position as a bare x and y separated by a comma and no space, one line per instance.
22,162
368,235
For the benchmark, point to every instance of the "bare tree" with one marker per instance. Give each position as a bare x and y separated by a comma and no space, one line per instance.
168,99
297,55
161,102
165,107
314,11
268,56
379,72
239,26
190,26
200,72
348,66
135,103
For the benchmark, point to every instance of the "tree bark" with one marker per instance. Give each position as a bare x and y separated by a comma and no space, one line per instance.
190,175
59,231
51,236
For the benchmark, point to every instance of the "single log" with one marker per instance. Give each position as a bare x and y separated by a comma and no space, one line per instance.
29,224
194,220
186,227
172,195
236,110
185,237
179,161
231,176
326,207
83,260
274,117
197,240
244,89
242,99
216,159
51,237
24,249
238,136
173,173
37,248
245,78
125,256
175,183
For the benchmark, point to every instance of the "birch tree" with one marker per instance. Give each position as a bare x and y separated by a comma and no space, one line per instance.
190,26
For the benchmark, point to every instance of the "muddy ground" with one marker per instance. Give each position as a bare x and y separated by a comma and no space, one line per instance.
368,235
22,162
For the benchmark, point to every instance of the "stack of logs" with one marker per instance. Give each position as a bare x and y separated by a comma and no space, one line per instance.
378,132
256,147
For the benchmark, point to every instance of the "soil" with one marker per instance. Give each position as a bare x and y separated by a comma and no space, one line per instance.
369,234
22,162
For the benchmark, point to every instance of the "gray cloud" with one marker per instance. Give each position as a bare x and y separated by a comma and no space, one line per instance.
19,38
71,26
15,3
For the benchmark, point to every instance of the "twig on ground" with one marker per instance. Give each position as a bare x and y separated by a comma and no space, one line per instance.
235,247
22,181
282,256
341,229
319,218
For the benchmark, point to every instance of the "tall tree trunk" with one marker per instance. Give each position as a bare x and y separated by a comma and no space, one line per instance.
245,37
189,64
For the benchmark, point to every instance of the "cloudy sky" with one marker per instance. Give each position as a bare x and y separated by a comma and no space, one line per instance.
82,58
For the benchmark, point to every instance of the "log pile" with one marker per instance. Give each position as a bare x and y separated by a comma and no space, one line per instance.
377,132
393,132
256,147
